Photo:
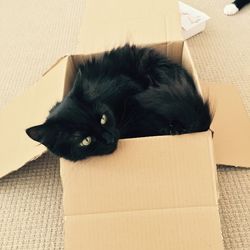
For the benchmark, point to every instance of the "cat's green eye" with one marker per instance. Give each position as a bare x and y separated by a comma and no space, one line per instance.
86,141
104,119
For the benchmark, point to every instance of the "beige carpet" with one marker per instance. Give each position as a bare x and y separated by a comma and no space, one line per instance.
33,35
222,54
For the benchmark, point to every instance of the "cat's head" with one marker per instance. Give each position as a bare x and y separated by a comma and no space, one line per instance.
76,130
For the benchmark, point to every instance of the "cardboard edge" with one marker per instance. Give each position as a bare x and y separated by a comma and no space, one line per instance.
188,63
213,160
4,173
238,161
54,65
17,163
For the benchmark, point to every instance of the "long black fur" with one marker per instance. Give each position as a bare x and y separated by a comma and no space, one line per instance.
141,92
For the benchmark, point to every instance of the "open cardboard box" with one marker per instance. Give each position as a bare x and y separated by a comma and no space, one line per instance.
151,193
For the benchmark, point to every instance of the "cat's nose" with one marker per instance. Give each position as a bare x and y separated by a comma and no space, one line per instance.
109,138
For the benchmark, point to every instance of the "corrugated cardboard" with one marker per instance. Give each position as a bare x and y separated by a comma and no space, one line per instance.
145,178
231,125
152,193
140,22
171,229
188,64
26,110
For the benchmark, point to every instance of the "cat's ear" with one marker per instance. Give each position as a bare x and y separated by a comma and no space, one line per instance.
77,85
78,79
40,133
82,86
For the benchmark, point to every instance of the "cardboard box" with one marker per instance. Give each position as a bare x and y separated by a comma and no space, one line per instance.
193,21
151,193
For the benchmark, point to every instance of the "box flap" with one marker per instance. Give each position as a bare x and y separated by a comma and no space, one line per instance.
231,125
153,185
27,110
118,10
114,23
110,34
163,229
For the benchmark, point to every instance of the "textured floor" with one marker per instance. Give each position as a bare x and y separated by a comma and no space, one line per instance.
36,33
222,54
31,212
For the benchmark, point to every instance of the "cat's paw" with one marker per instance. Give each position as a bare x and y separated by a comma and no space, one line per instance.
230,9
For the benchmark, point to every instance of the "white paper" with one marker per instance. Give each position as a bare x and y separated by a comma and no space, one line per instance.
190,16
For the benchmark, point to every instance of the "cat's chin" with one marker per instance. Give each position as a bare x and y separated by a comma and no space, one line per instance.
109,149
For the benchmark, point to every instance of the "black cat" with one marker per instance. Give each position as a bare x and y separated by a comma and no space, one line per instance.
235,6
128,92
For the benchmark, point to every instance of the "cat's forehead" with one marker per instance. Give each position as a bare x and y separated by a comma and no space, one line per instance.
69,107
70,113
